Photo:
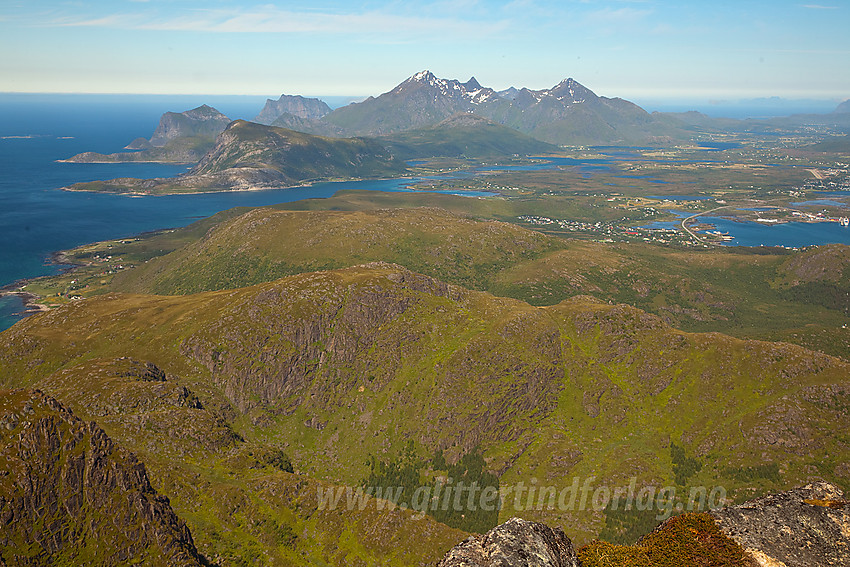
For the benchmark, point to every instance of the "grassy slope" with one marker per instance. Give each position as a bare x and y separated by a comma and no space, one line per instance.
238,503
331,366
736,291
265,244
464,135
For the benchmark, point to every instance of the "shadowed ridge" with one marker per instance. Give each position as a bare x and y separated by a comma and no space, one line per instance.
71,495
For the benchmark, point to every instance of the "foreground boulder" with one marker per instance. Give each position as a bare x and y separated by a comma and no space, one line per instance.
516,543
70,496
800,528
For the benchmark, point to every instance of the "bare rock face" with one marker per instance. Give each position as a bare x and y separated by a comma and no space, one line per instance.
204,121
804,527
516,543
309,108
69,495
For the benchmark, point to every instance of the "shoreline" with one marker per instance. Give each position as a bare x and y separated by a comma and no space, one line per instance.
161,162
307,183
34,303
31,302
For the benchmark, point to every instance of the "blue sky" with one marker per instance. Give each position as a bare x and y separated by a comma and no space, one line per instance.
628,48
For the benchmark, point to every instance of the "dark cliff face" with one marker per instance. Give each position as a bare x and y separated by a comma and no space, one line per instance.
800,528
516,543
69,495
203,121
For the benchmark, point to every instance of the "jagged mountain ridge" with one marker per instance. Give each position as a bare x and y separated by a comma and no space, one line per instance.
421,100
567,113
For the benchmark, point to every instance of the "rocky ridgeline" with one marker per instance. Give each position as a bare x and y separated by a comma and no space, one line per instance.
516,542
70,496
804,527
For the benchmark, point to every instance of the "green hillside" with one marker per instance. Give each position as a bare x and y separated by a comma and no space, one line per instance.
330,366
464,135
265,244
738,291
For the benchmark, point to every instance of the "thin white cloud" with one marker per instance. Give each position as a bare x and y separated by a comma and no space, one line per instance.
269,19
619,15
819,7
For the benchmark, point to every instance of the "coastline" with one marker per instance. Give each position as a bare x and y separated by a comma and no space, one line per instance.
309,183
159,161
34,303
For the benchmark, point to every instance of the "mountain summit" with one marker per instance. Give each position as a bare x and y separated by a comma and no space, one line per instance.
297,106
470,91
204,121
567,113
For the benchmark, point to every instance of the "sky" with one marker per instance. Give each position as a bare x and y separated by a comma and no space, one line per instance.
628,48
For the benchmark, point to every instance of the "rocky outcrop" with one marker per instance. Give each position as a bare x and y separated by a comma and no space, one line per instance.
516,543
204,121
180,137
803,527
69,495
309,108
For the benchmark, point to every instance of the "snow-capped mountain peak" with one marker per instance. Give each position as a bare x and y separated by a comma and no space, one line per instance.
571,91
470,91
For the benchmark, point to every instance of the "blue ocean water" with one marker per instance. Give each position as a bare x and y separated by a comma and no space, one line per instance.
790,234
37,219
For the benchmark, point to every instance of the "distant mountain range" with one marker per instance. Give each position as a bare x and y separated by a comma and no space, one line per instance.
568,113
417,110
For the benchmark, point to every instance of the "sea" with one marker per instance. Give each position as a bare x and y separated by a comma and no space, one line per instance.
38,219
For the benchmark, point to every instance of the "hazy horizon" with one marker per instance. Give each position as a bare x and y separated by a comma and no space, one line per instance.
248,106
